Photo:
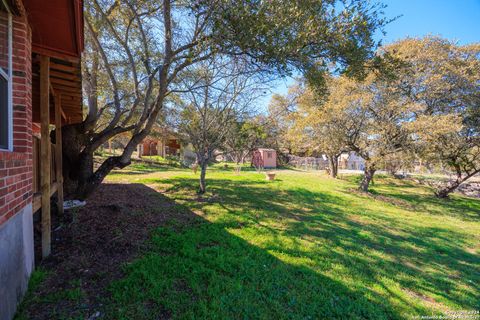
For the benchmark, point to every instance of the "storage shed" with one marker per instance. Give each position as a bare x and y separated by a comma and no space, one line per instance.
265,158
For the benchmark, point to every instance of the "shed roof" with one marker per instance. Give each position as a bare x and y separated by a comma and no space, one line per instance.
266,149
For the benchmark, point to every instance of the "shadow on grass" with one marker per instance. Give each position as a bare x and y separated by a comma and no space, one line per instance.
319,258
141,168
190,268
421,259
200,270
458,206
462,207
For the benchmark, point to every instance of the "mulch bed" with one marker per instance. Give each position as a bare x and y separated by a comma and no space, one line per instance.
90,245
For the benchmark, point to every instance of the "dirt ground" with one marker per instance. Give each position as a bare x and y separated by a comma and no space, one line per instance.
90,246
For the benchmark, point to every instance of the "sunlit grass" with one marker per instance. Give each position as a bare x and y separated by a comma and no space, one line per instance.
302,246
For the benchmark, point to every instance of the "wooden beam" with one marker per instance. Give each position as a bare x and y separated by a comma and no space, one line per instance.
62,67
54,53
50,87
63,75
68,106
58,151
68,98
64,116
37,197
45,154
67,91
74,92
67,83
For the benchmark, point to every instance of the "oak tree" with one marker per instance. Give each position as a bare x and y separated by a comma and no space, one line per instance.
442,81
138,52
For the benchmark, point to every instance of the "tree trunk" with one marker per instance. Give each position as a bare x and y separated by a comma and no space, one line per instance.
367,178
80,178
77,165
443,193
203,186
333,166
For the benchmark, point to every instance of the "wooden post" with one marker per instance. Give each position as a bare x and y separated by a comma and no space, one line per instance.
58,151
163,147
45,154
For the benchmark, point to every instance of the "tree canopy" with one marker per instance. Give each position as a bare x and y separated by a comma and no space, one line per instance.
423,104
138,52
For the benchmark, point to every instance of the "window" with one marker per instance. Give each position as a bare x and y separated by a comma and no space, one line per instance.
6,136
269,154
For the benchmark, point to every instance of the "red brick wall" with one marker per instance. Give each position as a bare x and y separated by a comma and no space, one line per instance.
16,166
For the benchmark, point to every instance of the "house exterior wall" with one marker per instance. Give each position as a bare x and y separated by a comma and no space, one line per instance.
351,161
16,167
149,148
16,223
162,147
16,260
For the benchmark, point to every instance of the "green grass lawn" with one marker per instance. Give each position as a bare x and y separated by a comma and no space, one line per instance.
301,247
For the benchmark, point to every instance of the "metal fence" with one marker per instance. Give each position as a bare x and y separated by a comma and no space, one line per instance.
307,163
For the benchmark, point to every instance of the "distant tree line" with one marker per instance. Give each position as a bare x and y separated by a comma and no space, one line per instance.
423,103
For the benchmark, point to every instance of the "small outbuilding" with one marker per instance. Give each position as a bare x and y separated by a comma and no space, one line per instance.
264,158
148,147
161,142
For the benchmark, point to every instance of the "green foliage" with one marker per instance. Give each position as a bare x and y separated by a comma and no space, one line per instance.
307,35
441,82
242,138
420,102
141,56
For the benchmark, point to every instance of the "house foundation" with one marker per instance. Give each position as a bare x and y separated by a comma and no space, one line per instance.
16,260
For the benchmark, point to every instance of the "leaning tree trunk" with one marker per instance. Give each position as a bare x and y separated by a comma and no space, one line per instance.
444,192
203,171
367,177
80,178
333,166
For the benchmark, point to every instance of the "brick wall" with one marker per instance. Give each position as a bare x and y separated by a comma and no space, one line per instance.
16,166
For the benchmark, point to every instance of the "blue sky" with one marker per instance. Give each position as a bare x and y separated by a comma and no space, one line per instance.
453,19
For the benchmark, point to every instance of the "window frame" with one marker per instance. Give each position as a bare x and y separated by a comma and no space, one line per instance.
9,78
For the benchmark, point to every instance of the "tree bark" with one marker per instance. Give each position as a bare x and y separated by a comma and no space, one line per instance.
333,165
203,185
80,177
77,164
367,178
443,193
